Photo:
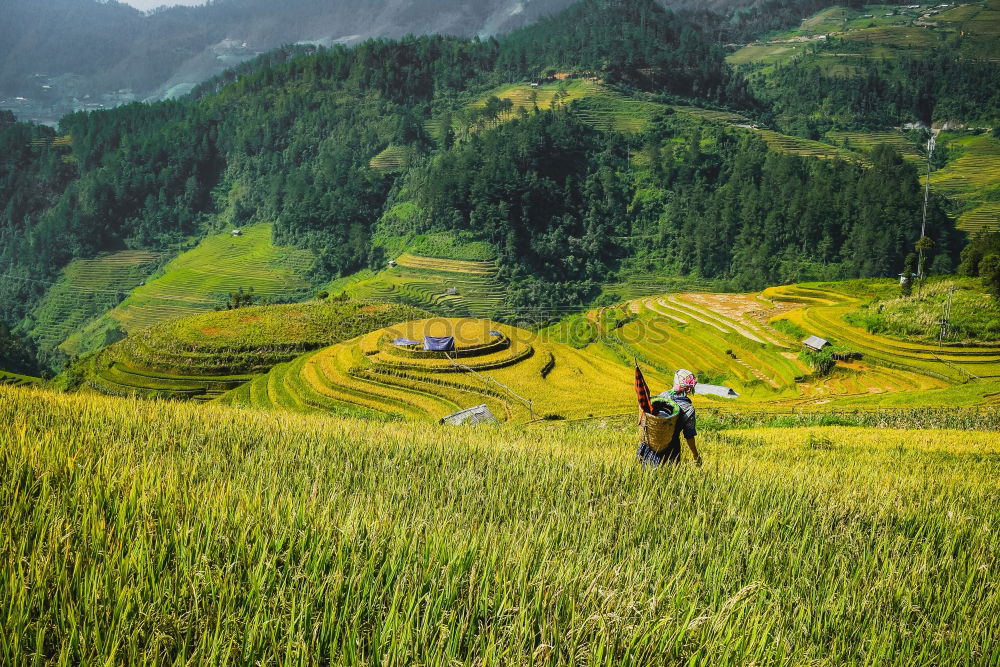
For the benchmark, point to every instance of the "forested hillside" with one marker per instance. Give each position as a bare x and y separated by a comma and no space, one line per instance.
342,148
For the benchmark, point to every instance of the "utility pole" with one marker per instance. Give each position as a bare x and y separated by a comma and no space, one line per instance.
946,317
927,195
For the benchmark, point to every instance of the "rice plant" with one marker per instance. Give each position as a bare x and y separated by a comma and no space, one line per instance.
164,533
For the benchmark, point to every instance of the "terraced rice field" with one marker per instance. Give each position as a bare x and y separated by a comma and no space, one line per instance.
880,31
391,160
87,289
983,218
200,279
15,380
729,339
976,168
765,54
867,141
459,288
949,364
608,110
895,37
518,375
783,143
545,94
204,356
724,339
972,170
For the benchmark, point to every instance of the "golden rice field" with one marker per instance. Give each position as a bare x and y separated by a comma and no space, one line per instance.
518,375
166,533
824,316
203,356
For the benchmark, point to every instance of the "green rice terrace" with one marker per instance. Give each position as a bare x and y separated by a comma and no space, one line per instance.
15,380
452,287
824,316
87,289
203,356
516,374
201,279
972,178
880,31
605,109
748,342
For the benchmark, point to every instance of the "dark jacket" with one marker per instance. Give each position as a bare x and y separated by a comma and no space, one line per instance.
686,426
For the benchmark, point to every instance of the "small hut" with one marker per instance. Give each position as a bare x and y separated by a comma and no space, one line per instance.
235,233
815,343
392,264
452,291
470,417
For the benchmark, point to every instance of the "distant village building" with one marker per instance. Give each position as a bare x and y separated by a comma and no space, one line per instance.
452,291
236,232
815,343
470,417
392,263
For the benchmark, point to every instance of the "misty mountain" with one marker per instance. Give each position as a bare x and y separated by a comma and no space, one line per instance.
59,56
58,50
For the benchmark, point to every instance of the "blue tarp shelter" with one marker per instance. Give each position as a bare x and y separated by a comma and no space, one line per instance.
405,342
439,344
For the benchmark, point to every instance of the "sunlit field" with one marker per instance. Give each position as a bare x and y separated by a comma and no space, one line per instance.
146,532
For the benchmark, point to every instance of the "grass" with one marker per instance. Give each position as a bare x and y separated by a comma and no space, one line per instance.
518,375
200,534
206,355
86,290
201,279
975,315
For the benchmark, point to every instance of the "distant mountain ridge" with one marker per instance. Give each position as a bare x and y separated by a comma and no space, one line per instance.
60,56
54,51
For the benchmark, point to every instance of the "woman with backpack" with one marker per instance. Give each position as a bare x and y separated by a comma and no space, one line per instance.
680,396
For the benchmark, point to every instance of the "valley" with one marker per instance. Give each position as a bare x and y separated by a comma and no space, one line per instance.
336,356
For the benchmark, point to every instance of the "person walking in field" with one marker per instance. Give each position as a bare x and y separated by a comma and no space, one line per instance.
676,399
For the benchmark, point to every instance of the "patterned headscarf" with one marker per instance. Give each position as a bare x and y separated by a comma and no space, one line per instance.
684,381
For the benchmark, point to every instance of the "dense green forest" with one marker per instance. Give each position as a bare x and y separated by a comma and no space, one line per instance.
567,205
876,93
287,140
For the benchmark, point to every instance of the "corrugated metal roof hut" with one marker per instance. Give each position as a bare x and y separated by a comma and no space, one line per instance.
815,343
470,417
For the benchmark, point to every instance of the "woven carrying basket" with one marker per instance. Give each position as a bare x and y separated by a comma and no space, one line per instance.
658,431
